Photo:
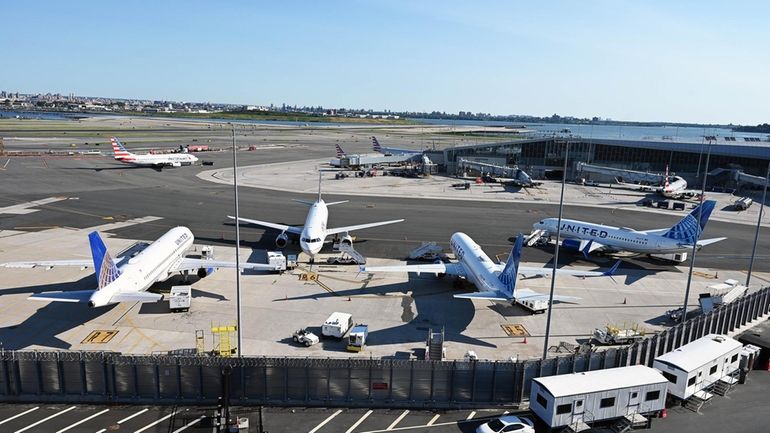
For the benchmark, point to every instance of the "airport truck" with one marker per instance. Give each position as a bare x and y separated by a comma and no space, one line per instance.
276,259
536,306
337,325
614,335
304,337
180,298
357,338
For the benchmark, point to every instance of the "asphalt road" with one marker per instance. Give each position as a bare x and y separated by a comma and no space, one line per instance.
105,189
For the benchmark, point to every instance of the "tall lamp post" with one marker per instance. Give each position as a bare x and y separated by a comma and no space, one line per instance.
555,255
237,248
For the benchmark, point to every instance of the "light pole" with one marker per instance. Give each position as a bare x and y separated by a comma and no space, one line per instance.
759,221
555,254
695,244
237,248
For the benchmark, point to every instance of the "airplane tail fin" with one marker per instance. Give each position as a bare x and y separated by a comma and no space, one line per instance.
376,145
689,228
105,269
340,152
510,273
118,149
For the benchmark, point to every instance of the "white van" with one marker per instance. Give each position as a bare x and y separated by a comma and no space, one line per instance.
337,325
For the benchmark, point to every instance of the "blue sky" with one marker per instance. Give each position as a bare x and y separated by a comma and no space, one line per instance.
647,60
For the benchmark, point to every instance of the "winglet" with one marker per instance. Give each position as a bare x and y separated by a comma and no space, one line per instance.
611,271
587,248
105,269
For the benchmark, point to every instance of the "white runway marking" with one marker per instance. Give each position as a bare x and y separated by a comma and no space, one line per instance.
45,419
400,417
432,420
23,208
324,422
82,421
190,424
19,414
134,415
471,415
360,420
154,423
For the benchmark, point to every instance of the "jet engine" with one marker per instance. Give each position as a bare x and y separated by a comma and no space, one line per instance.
571,244
346,240
281,240
203,272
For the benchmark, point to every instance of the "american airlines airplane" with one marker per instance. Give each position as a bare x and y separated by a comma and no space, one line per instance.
313,234
670,187
495,281
149,160
588,237
391,150
128,278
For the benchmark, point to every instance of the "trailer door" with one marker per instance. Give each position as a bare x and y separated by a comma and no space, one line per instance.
633,401
577,410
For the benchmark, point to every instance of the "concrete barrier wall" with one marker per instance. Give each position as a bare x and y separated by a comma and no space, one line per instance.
106,377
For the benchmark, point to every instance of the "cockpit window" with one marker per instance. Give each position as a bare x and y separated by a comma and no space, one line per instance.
542,221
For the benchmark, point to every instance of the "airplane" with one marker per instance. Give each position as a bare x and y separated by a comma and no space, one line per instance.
391,150
588,237
149,160
672,186
495,281
126,279
313,234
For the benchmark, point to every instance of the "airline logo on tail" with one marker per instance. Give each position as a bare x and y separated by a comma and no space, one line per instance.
376,145
105,269
689,229
666,183
119,150
510,272
340,152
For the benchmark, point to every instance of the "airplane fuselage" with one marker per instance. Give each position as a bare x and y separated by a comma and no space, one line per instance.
613,238
151,265
479,268
311,240
171,160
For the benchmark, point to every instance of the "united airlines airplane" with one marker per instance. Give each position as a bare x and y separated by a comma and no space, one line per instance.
495,281
149,160
313,234
588,237
127,279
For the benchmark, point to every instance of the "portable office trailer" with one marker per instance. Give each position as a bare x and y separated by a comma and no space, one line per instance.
699,364
598,395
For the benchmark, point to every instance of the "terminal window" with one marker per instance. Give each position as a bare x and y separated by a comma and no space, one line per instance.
607,402
652,395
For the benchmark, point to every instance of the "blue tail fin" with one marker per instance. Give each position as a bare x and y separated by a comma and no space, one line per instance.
511,271
105,269
689,229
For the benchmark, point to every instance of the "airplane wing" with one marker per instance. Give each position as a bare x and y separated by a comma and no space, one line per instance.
487,296
188,264
547,272
705,242
284,228
73,296
452,269
84,263
531,295
359,227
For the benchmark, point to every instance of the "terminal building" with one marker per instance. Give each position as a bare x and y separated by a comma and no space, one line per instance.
543,157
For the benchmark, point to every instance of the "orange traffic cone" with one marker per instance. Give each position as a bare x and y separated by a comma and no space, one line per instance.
525,340
663,413
624,301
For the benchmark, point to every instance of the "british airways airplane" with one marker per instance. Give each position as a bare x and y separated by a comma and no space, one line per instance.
494,281
588,237
149,160
128,278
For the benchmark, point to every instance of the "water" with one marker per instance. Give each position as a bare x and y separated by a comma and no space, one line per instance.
41,115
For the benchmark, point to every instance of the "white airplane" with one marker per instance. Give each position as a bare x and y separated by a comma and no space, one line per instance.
150,160
391,150
313,234
495,281
588,237
129,278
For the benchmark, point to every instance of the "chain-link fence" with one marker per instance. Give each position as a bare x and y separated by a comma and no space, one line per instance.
103,377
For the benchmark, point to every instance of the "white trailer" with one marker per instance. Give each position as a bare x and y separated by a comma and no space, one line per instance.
536,306
721,294
698,365
337,325
180,298
599,395
671,257
277,260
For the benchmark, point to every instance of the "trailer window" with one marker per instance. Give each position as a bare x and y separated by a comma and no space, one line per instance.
713,370
691,382
607,402
734,358
563,408
652,395
542,401
671,378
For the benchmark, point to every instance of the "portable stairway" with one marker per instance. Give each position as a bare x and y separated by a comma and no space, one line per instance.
435,346
697,400
350,251
534,237
724,385
426,249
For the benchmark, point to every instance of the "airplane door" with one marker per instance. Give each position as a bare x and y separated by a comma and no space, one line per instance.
577,410
633,402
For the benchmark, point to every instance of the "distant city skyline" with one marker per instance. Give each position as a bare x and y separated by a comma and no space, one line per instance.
653,61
